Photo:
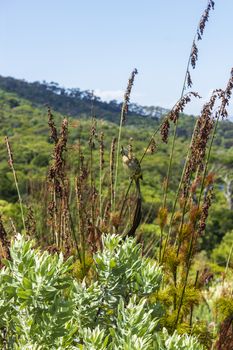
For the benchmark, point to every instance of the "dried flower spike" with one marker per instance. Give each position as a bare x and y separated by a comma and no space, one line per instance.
189,79
125,106
52,126
165,130
194,55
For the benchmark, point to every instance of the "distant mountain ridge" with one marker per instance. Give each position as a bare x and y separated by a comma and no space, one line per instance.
74,102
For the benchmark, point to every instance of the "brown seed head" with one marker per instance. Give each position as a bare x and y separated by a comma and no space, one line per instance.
164,131
189,79
194,55
52,126
204,19
226,96
205,210
126,101
180,105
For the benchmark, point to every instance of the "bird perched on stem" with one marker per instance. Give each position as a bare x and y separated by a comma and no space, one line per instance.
132,165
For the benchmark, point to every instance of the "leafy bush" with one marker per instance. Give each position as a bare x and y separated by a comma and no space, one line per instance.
42,307
222,252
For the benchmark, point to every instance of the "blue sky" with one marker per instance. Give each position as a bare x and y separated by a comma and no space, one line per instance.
96,44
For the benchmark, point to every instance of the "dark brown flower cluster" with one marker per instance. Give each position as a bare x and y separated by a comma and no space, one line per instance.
56,174
93,134
30,222
189,79
180,105
194,55
164,131
208,196
204,19
125,106
202,132
199,34
58,185
225,96
56,170
83,170
174,114
53,129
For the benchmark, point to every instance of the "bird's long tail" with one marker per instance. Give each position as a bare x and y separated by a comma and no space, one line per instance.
138,211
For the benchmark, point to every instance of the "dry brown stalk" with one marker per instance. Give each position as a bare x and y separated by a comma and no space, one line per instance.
58,208
225,341
101,168
180,105
201,135
52,126
30,222
205,18
125,106
164,131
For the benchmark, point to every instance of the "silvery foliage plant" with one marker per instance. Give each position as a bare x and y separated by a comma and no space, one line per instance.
43,307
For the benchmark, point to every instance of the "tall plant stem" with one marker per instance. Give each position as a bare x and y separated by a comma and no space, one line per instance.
186,278
100,191
11,163
92,187
117,156
228,260
191,310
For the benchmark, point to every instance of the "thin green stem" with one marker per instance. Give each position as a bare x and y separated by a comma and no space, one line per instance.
117,156
228,260
100,191
11,163
191,310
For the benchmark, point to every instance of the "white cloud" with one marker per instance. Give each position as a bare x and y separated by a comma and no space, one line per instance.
108,95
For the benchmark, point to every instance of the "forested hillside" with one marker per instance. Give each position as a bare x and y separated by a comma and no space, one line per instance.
61,187
73,102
